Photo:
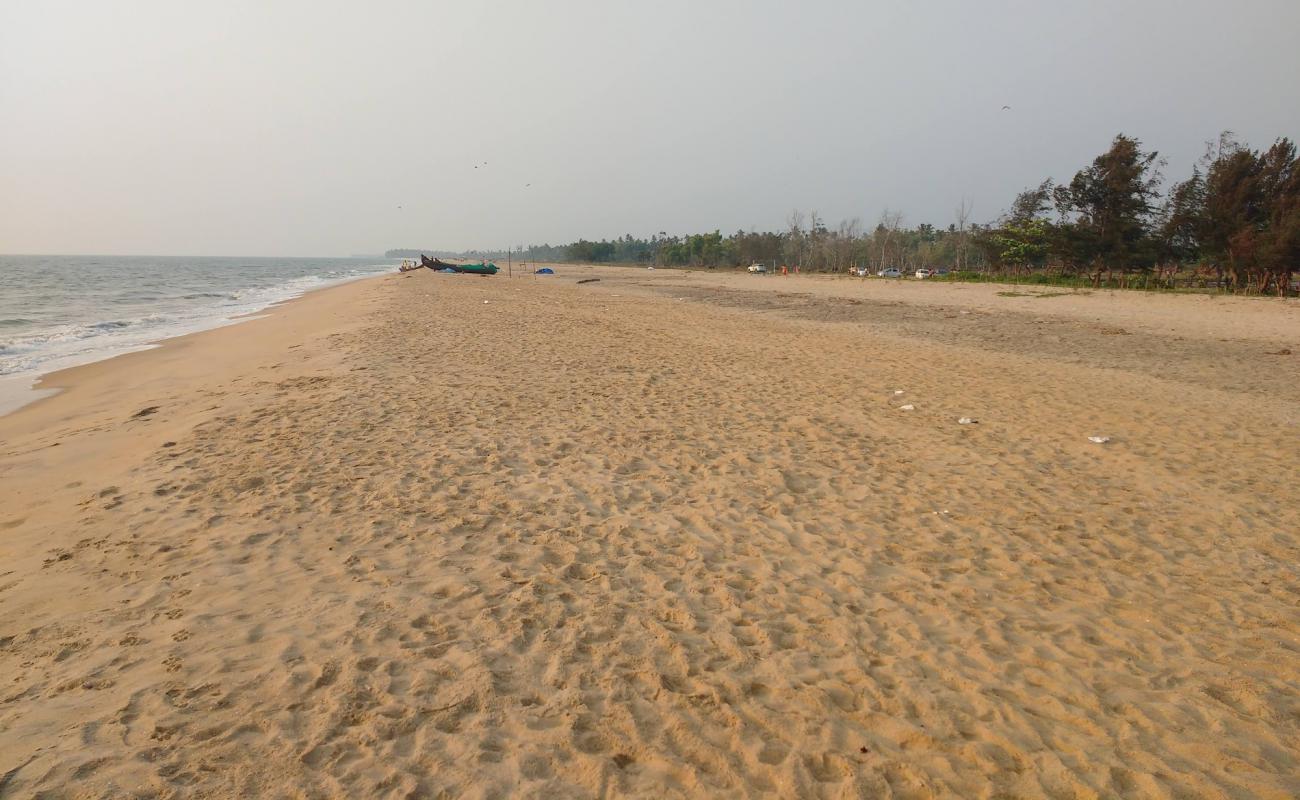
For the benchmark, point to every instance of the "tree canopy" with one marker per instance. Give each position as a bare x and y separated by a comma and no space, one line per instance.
1234,223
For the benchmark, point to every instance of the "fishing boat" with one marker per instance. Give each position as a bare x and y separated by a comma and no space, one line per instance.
435,264
438,265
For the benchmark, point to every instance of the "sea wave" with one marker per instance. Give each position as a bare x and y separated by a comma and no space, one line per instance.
35,349
71,333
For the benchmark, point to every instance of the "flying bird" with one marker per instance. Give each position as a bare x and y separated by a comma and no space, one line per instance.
1006,108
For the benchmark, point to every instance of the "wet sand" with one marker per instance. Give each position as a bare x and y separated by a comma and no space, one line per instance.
662,535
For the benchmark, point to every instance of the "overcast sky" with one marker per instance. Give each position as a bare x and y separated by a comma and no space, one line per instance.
332,128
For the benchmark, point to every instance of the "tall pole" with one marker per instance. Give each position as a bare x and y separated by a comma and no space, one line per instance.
510,262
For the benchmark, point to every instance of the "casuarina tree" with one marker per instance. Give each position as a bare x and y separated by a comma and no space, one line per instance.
1110,209
1240,211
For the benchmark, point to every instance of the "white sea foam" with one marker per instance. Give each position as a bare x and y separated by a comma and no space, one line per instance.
56,327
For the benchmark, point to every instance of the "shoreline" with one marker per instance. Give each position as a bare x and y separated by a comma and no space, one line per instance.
27,389
98,410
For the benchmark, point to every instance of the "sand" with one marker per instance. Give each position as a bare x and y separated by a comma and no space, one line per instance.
663,535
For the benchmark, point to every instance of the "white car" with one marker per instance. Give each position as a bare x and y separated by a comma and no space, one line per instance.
923,273
889,273
758,268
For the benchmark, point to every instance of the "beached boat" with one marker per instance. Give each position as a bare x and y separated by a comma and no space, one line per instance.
437,265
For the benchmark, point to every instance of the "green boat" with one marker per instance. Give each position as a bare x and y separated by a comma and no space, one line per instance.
437,265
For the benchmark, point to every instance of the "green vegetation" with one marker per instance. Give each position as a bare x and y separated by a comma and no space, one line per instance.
1234,225
1041,294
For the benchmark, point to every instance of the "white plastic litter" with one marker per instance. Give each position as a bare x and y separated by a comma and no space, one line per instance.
1099,439
898,391
908,407
485,302
967,421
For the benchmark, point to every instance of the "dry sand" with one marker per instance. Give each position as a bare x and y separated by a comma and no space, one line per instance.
663,535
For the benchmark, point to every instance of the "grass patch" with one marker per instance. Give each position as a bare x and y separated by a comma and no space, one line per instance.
1030,279
1041,294
1182,284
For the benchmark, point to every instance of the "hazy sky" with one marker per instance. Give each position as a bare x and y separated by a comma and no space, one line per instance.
299,128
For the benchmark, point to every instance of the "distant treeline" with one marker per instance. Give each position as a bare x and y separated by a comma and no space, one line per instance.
1234,224
472,255
406,252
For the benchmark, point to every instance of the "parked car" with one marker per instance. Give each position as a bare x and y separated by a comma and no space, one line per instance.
923,273
758,268
942,271
861,272
889,273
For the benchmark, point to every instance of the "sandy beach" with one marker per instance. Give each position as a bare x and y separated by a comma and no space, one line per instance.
665,534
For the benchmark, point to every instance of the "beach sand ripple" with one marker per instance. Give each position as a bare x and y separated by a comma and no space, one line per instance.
573,543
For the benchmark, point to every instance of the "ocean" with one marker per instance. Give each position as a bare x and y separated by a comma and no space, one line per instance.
63,311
